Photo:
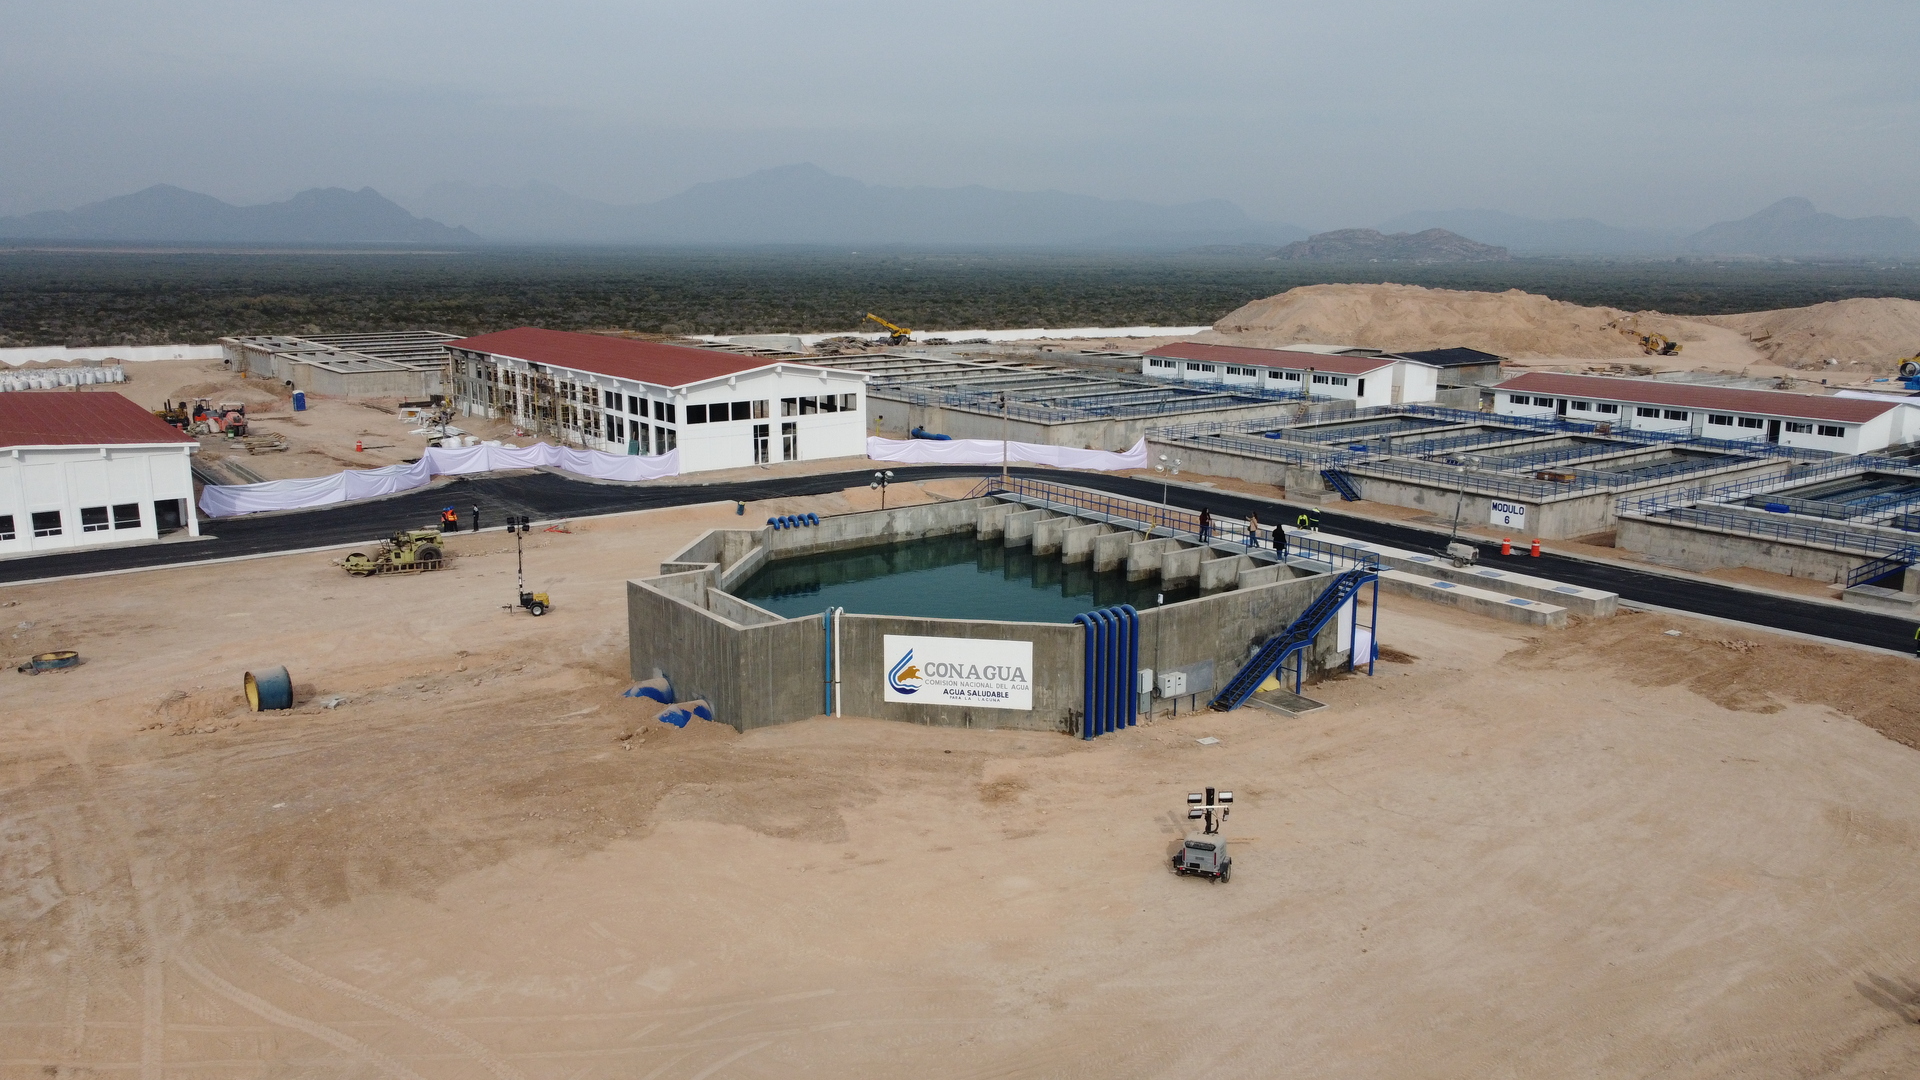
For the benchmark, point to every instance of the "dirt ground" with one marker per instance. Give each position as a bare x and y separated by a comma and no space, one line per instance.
1599,851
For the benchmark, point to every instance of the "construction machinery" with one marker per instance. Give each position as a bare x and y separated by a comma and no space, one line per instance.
1658,345
413,551
1910,373
179,413
901,335
1204,854
536,603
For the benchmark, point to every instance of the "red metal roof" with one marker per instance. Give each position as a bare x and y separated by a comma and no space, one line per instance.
1274,358
622,358
1692,396
80,418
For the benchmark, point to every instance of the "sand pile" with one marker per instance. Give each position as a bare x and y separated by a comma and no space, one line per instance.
1879,330
1396,317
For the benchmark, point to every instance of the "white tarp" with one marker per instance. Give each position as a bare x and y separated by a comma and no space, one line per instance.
228,500
988,452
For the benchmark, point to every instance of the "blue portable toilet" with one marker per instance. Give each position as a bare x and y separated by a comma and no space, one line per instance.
299,401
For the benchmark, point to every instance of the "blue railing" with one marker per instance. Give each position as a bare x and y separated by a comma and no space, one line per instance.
1882,566
1296,638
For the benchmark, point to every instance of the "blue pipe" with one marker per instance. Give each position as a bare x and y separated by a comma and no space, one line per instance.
1133,663
1109,639
1085,625
813,519
1099,711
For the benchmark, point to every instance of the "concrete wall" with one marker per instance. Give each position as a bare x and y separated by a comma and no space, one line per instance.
895,418
1692,548
753,676
1058,672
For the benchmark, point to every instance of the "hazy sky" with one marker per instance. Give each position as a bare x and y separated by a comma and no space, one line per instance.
1669,113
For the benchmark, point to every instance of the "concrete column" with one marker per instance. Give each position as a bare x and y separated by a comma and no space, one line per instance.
1019,529
1181,565
992,521
1910,581
1049,535
1110,550
1143,557
1223,573
1076,545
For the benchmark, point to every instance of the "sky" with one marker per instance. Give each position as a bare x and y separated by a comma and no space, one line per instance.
1667,115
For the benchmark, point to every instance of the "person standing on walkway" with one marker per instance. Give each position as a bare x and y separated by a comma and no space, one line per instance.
1253,530
476,517
1206,523
1280,539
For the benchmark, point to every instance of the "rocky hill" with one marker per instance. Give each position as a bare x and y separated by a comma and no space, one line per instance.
1371,245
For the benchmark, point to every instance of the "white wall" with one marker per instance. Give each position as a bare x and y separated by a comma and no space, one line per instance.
71,479
729,444
132,353
1857,438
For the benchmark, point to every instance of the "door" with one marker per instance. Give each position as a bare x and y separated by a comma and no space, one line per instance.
789,442
760,444
1773,431
1560,407
166,515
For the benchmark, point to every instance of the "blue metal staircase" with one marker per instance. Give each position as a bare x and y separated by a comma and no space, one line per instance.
1883,566
1341,483
1297,637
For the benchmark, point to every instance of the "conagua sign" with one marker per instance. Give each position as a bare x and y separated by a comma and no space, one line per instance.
958,671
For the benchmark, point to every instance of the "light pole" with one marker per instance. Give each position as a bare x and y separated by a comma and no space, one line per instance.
880,480
1167,470
1003,438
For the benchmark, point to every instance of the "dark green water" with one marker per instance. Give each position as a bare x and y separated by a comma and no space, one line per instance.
945,577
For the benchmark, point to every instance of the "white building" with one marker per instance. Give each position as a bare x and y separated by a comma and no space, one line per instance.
1365,380
82,469
720,410
1810,421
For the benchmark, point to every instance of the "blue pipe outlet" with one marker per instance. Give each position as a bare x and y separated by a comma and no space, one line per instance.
1086,687
1133,664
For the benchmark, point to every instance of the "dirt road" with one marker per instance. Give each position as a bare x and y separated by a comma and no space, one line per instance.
1595,852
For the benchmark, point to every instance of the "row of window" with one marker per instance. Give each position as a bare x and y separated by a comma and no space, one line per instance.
1274,373
1831,431
759,410
92,519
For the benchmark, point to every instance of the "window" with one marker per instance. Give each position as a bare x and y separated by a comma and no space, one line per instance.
1290,376
1205,368
1335,380
1154,361
1799,428
1234,369
665,439
1676,414
46,523
697,414
1644,411
93,519
1752,422
789,442
760,444
760,410
634,408
616,429
1360,388
1544,402
789,406
829,403
1519,399
644,434
809,406
1582,406
742,410
849,402
1606,407
6,527
1720,419
1833,431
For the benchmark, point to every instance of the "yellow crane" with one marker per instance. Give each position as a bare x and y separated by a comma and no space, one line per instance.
901,335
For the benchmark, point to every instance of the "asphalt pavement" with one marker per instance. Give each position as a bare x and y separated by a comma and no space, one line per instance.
547,496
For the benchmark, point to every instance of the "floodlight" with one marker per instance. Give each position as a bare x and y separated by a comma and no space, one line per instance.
1195,813
1194,798
1226,796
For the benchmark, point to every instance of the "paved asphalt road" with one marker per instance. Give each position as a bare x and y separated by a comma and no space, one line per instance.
550,496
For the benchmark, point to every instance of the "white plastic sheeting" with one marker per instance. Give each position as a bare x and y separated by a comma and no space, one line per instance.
227,500
988,451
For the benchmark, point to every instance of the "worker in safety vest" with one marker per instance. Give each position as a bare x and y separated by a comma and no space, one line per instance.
449,520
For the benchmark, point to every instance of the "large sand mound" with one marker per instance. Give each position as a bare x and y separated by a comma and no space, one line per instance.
1879,330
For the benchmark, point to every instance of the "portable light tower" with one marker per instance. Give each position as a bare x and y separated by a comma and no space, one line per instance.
1201,806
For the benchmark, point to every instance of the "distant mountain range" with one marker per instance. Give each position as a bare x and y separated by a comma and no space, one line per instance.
804,204
1534,236
169,215
1792,228
1371,245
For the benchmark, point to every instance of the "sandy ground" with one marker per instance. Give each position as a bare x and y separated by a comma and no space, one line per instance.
1593,852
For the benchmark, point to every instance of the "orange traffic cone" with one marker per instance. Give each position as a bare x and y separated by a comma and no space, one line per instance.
1506,545
1536,547
357,448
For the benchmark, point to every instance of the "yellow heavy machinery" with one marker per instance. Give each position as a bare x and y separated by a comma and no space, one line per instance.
1658,345
901,335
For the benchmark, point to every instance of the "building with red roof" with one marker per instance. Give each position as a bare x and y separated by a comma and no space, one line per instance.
1362,376
716,409
86,468
1809,421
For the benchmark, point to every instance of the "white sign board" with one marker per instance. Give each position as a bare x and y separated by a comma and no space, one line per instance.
1508,515
958,671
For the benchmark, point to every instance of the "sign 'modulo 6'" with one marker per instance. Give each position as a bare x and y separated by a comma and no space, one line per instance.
958,671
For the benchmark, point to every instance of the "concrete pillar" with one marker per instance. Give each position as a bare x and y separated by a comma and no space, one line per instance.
1910,581
1020,523
992,521
1076,545
1181,565
1110,550
1303,480
1143,557
1266,574
1223,573
1049,535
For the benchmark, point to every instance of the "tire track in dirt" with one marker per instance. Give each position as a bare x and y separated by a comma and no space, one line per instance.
267,1010
491,1061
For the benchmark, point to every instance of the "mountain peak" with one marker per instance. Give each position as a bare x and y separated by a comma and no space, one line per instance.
172,215
1792,228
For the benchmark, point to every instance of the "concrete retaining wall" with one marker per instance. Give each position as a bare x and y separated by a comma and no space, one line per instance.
752,675
1692,548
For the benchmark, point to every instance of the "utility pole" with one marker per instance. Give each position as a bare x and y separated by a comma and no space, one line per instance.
1003,438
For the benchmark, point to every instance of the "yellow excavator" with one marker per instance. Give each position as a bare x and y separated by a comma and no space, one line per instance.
1658,345
901,335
